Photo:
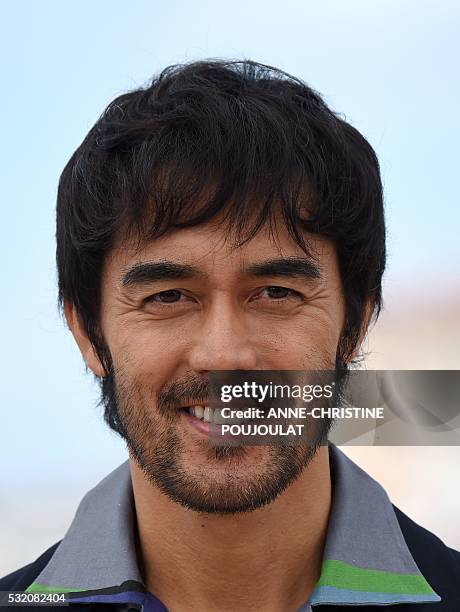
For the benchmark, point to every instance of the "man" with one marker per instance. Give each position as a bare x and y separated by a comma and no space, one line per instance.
223,218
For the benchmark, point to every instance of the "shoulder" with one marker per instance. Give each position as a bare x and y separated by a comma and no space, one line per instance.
438,563
23,577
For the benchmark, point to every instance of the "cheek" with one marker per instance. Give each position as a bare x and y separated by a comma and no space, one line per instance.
148,354
308,343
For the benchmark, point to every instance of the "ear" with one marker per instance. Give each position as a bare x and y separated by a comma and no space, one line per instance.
368,310
78,330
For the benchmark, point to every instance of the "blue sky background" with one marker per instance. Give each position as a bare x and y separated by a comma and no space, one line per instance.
390,67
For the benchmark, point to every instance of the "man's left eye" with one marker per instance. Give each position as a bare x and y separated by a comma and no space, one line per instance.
278,293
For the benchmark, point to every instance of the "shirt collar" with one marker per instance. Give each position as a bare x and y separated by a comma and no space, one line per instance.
366,559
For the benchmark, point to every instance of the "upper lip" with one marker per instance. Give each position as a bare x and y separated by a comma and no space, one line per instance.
234,404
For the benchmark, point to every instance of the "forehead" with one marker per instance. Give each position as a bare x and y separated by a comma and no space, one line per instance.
214,249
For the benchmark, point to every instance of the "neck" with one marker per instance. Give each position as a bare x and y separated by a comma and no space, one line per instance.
268,559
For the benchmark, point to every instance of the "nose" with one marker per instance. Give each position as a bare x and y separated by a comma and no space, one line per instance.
222,342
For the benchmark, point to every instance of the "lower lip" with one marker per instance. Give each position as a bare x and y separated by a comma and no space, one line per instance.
210,429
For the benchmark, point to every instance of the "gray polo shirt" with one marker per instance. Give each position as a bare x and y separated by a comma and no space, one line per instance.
366,559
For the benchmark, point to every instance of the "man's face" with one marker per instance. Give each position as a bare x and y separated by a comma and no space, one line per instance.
189,303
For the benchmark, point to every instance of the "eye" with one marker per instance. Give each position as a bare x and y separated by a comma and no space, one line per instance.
278,294
171,296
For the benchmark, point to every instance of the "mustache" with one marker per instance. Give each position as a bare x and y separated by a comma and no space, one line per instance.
189,390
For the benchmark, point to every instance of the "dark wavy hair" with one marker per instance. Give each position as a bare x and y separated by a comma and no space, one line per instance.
236,140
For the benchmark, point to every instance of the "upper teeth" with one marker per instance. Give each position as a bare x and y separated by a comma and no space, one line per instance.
210,415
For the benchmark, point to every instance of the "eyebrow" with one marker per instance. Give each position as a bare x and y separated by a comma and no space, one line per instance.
150,271
290,267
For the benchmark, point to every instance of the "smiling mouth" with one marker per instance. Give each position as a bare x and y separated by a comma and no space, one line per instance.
204,413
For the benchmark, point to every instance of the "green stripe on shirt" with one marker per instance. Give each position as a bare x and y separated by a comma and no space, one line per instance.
345,576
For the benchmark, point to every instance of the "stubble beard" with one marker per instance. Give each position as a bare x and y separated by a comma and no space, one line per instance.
224,480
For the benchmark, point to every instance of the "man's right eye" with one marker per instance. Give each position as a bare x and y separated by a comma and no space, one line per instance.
170,296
